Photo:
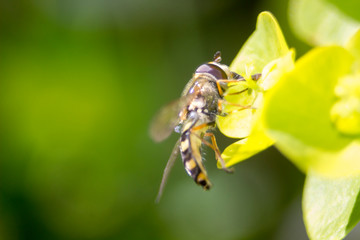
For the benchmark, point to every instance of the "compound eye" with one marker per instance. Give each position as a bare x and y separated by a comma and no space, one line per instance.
214,70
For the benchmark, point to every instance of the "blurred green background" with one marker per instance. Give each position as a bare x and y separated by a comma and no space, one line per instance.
79,83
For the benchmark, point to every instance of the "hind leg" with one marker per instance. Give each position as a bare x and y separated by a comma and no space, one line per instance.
212,145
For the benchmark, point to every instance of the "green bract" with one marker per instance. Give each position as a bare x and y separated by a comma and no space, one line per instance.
331,207
320,131
265,52
298,114
264,45
320,23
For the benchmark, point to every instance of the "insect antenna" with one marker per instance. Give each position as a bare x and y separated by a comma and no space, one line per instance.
217,57
167,170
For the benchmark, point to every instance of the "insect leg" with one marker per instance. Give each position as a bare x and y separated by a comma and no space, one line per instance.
221,102
217,152
237,78
212,145
221,92
202,126
215,148
236,93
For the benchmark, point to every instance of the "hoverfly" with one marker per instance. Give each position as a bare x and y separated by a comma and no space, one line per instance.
193,115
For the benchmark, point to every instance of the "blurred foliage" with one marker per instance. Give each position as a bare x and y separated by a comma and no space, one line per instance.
80,81
319,22
330,207
313,114
305,133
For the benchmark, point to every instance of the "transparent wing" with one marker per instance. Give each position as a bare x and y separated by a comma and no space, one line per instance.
167,118
169,165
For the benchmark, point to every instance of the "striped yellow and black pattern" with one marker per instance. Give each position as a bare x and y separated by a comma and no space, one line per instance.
190,153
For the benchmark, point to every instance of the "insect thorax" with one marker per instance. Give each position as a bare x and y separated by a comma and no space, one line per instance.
205,101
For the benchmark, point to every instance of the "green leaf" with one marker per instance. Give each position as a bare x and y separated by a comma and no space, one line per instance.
264,52
318,22
264,45
297,115
331,207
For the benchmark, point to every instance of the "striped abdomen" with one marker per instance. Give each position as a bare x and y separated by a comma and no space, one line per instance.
191,157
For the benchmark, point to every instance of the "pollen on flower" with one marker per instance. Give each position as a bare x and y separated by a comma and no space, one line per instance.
345,112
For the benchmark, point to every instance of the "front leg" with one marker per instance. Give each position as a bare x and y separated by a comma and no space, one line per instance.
222,102
236,78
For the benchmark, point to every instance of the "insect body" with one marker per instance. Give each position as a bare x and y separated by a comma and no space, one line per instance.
193,116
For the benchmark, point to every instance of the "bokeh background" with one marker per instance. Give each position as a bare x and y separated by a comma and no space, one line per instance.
79,83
